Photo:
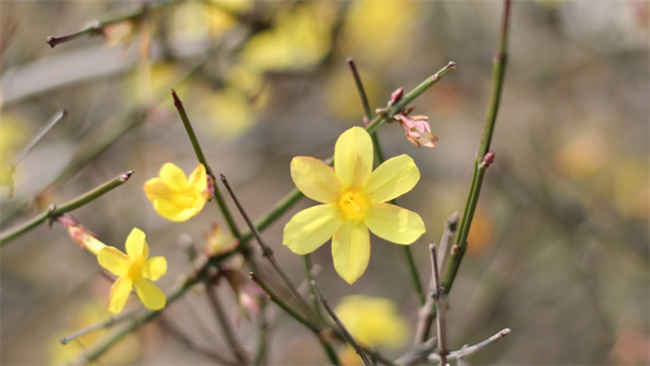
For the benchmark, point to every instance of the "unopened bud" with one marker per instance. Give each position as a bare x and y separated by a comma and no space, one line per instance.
396,96
488,158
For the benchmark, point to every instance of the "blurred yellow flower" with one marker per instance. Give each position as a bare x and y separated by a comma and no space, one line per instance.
134,269
174,196
299,39
372,321
125,352
354,200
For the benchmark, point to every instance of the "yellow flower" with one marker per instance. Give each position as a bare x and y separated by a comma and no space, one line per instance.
372,321
354,200
134,269
174,196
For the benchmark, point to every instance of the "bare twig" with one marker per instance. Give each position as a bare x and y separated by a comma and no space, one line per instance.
466,351
104,324
437,295
176,332
268,252
228,332
428,312
315,328
348,337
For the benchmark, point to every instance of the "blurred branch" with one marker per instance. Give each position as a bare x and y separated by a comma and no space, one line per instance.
104,324
54,211
483,157
97,27
226,328
173,330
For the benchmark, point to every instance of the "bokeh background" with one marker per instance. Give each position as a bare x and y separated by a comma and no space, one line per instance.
559,248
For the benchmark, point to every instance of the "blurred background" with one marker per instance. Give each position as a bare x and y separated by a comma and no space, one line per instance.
558,251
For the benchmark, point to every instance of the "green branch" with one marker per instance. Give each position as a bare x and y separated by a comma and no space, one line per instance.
53,212
483,157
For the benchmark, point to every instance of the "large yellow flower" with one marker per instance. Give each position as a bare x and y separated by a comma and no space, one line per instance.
134,270
174,196
354,200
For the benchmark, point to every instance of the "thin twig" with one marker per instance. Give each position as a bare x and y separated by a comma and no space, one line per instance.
176,332
437,295
466,351
316,329
51,123
104,324
427,313
348,337
310,281
232,226
228,332
54,211
360,90
267,252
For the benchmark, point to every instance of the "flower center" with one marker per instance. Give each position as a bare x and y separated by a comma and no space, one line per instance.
135,271
353,205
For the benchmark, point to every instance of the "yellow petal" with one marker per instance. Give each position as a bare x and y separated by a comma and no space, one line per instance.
154,268
114,261
136,246
392,179
395,224
173,177
155,189
199,179
119,294
315,179
174,212
353,157
151,296
351,250
310,228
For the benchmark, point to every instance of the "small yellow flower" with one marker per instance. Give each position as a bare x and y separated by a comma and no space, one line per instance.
174,196
354,200
373,322
134,270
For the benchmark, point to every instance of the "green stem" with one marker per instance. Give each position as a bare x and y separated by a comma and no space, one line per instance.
199,154
388,114
54,212
483,156
360,90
